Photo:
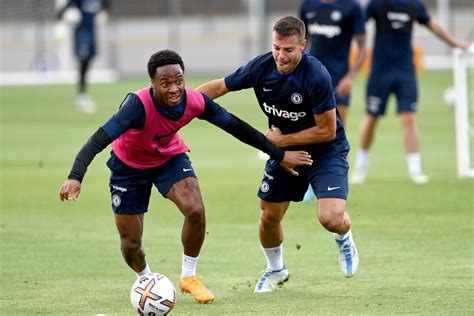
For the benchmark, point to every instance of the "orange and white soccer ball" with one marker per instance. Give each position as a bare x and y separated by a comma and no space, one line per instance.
153,294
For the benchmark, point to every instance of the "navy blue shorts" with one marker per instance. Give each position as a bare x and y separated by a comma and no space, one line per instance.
380,86
130,188
328,179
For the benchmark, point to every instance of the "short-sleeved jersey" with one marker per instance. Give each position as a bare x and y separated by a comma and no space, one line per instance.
289,101
394,28
330,27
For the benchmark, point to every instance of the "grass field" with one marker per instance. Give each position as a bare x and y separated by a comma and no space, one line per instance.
415,242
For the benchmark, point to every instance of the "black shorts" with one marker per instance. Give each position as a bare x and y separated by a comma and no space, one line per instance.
130,188
380,86
327,177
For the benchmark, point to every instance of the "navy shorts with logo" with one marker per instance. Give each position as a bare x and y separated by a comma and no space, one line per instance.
327,177
130,188
380,86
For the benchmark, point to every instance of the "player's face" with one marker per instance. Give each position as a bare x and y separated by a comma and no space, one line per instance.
287,52
168,85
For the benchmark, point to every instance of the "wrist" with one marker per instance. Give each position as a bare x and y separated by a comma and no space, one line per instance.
352,74
284,141
280,155
73,176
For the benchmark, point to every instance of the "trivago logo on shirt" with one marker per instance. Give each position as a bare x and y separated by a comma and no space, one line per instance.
398,16
398,19
294,116
329,31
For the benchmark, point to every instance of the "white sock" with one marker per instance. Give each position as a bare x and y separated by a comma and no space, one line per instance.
342,237
362,160
144,271
188,266
414,163
274,257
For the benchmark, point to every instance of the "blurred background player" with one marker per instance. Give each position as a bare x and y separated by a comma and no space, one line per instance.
331,25
294,91
145,153
83,13
393,71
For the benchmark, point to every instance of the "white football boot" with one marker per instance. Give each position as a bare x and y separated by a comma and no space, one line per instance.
419,178
84,104
270,280
358,176
348,256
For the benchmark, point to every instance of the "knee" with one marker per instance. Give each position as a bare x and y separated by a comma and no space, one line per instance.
408,120
370,122
195,214
332,221
268,220
130,246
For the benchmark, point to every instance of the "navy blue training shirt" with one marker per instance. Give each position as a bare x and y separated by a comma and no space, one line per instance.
394,28
290,101
330,27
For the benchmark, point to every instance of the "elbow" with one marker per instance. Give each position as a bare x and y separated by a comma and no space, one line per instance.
331,135
213,89
222,88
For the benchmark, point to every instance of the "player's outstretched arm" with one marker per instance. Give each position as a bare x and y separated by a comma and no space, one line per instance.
344,87
249,135
241,130
439,31
213,89
71,188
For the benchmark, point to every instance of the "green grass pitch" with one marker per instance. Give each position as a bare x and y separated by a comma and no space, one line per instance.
415,242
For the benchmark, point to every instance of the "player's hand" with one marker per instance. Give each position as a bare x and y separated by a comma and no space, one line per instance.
344,87
462,44
274,135
295,158
70,190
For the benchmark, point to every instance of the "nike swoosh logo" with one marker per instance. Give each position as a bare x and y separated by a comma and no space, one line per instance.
186,170
333,188
266,90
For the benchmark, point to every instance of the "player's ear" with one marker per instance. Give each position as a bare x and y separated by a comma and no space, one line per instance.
303,43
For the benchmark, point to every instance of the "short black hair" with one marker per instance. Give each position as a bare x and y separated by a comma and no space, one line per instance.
163,58
290,25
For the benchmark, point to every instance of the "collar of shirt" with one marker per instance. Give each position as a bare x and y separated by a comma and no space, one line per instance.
172,113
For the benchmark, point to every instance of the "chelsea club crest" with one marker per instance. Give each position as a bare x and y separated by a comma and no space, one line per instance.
296,98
